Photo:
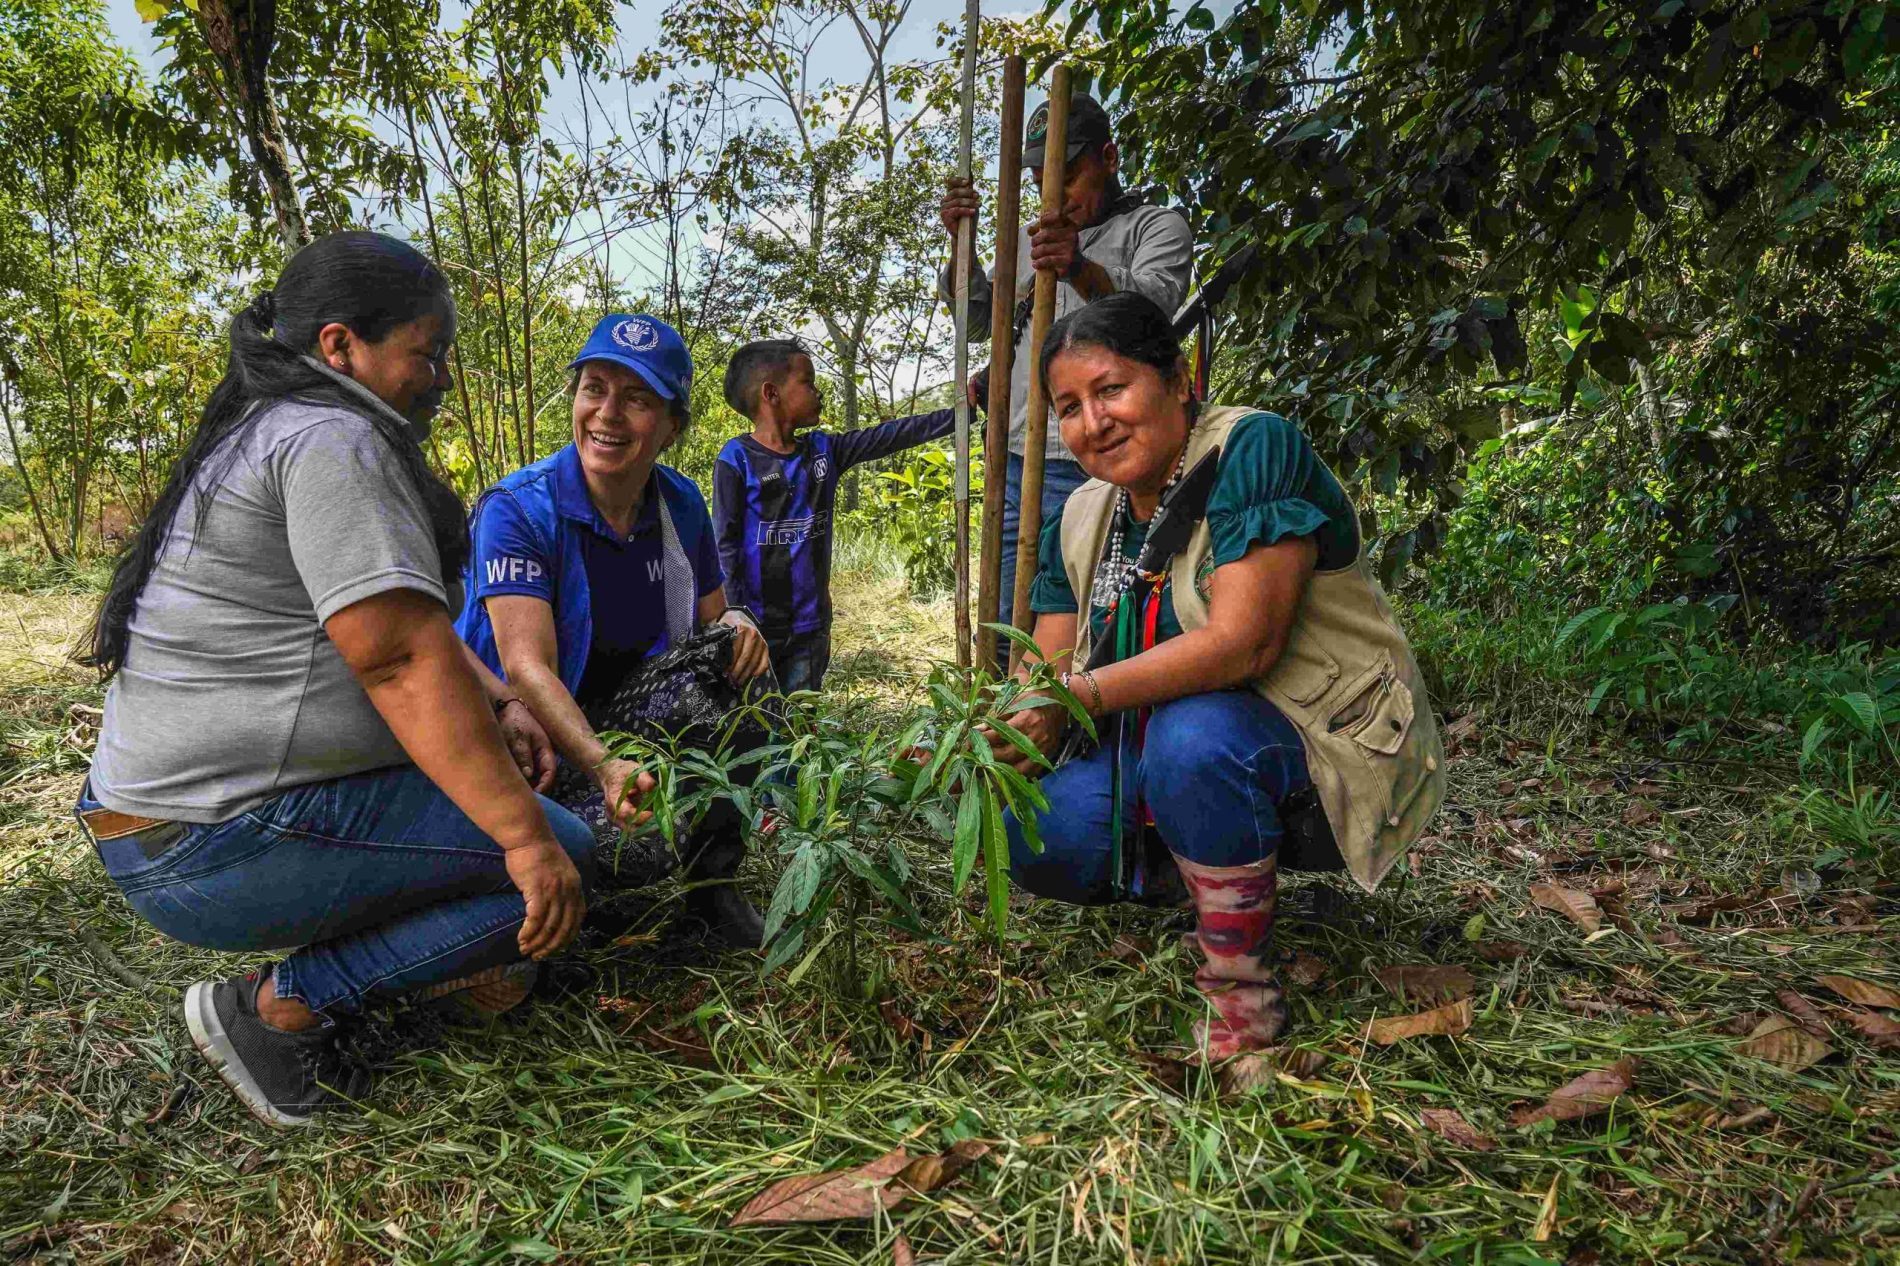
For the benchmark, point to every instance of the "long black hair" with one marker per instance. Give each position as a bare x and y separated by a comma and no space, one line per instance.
1127,323
370,283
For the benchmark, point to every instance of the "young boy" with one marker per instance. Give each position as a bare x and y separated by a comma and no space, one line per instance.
772,498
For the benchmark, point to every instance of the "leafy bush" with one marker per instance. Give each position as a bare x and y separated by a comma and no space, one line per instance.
914,508
843,798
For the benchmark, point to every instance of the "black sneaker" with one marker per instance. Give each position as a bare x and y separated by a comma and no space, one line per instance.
281,1077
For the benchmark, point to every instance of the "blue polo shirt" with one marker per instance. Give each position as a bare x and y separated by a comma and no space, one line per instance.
537,534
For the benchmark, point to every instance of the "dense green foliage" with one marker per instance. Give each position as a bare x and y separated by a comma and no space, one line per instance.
1661,230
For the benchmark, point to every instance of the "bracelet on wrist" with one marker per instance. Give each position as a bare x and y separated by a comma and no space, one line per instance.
502,703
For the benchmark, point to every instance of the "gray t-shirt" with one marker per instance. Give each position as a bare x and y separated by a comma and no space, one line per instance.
1147,248
232,693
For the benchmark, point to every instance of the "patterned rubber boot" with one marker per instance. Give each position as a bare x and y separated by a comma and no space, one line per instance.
1234,907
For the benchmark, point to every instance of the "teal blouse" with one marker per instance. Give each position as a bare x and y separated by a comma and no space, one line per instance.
1270,485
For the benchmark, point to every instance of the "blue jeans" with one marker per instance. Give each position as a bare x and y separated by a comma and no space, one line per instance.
1059,479
1214,771
799,660
385,885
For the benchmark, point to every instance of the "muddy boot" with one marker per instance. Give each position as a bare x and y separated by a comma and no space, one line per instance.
717,903
1234,909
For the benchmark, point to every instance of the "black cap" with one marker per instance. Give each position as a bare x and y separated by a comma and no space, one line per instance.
1088,129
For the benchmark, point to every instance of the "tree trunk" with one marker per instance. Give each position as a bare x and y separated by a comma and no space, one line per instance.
242,33
26,479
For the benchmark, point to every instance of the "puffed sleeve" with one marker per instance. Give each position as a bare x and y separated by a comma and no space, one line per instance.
1051,593
1268,469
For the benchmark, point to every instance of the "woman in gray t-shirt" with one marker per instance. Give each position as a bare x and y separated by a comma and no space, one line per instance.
297,749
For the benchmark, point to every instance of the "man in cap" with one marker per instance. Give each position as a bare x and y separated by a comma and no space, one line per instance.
1101,240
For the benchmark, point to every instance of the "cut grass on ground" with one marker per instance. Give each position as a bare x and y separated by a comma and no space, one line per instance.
649,1093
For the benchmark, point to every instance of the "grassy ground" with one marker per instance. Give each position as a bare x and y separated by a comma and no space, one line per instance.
649,1093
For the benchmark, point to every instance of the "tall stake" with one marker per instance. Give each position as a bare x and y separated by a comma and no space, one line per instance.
1055,164
1009,198
966,256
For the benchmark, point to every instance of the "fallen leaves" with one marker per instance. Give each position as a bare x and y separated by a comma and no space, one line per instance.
1579,907
1583,1096
1305,970
858,1192
1785,1044
1862,992
1501,951
1450,1124
1446,1021
1878,1029
1805,1013
1640,813
1427,982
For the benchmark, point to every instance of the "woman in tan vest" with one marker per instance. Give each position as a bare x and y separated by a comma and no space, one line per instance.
1247,670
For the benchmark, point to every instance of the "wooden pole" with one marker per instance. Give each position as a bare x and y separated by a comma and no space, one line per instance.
1055,163
966,257
1009,197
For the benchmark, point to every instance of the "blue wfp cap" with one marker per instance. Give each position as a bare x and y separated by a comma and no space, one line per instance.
648,346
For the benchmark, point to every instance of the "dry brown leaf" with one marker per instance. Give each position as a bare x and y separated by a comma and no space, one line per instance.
927,1173
1579,907
1882,1031
1805,1013
1785,1044
1446,1021
1619,916
1501,951
838,1193
901,1024
1600,786
1640,813
1428,982
1168,1072
1305,970
1248,1073
1660,851
902,1254
1449,1123
1583,1096
684,1042
1863,992
1130,949
1302,1063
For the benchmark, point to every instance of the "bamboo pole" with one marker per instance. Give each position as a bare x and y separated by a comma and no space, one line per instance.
965,257
1055,163
1009,196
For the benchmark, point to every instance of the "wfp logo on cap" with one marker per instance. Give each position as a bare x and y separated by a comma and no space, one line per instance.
636,335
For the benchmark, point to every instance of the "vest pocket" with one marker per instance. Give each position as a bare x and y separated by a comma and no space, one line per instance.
1305,671
1377,712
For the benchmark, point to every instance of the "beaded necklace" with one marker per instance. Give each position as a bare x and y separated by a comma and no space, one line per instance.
1117,570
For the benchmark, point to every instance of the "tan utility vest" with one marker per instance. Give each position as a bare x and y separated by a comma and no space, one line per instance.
1347,678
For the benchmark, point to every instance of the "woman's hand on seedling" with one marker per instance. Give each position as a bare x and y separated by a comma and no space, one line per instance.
1044,726
551,887
750,656
527,743
624,783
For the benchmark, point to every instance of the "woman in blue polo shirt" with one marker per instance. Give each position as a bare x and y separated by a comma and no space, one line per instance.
593,560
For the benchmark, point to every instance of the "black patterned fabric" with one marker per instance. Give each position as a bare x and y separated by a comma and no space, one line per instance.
682,694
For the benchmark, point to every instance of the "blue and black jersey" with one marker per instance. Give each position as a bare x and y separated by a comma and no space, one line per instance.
772,514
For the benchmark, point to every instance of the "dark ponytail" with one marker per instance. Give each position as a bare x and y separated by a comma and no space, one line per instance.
1127,323
368,282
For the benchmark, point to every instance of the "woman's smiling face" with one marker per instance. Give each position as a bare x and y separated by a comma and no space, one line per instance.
621,424
1124,421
